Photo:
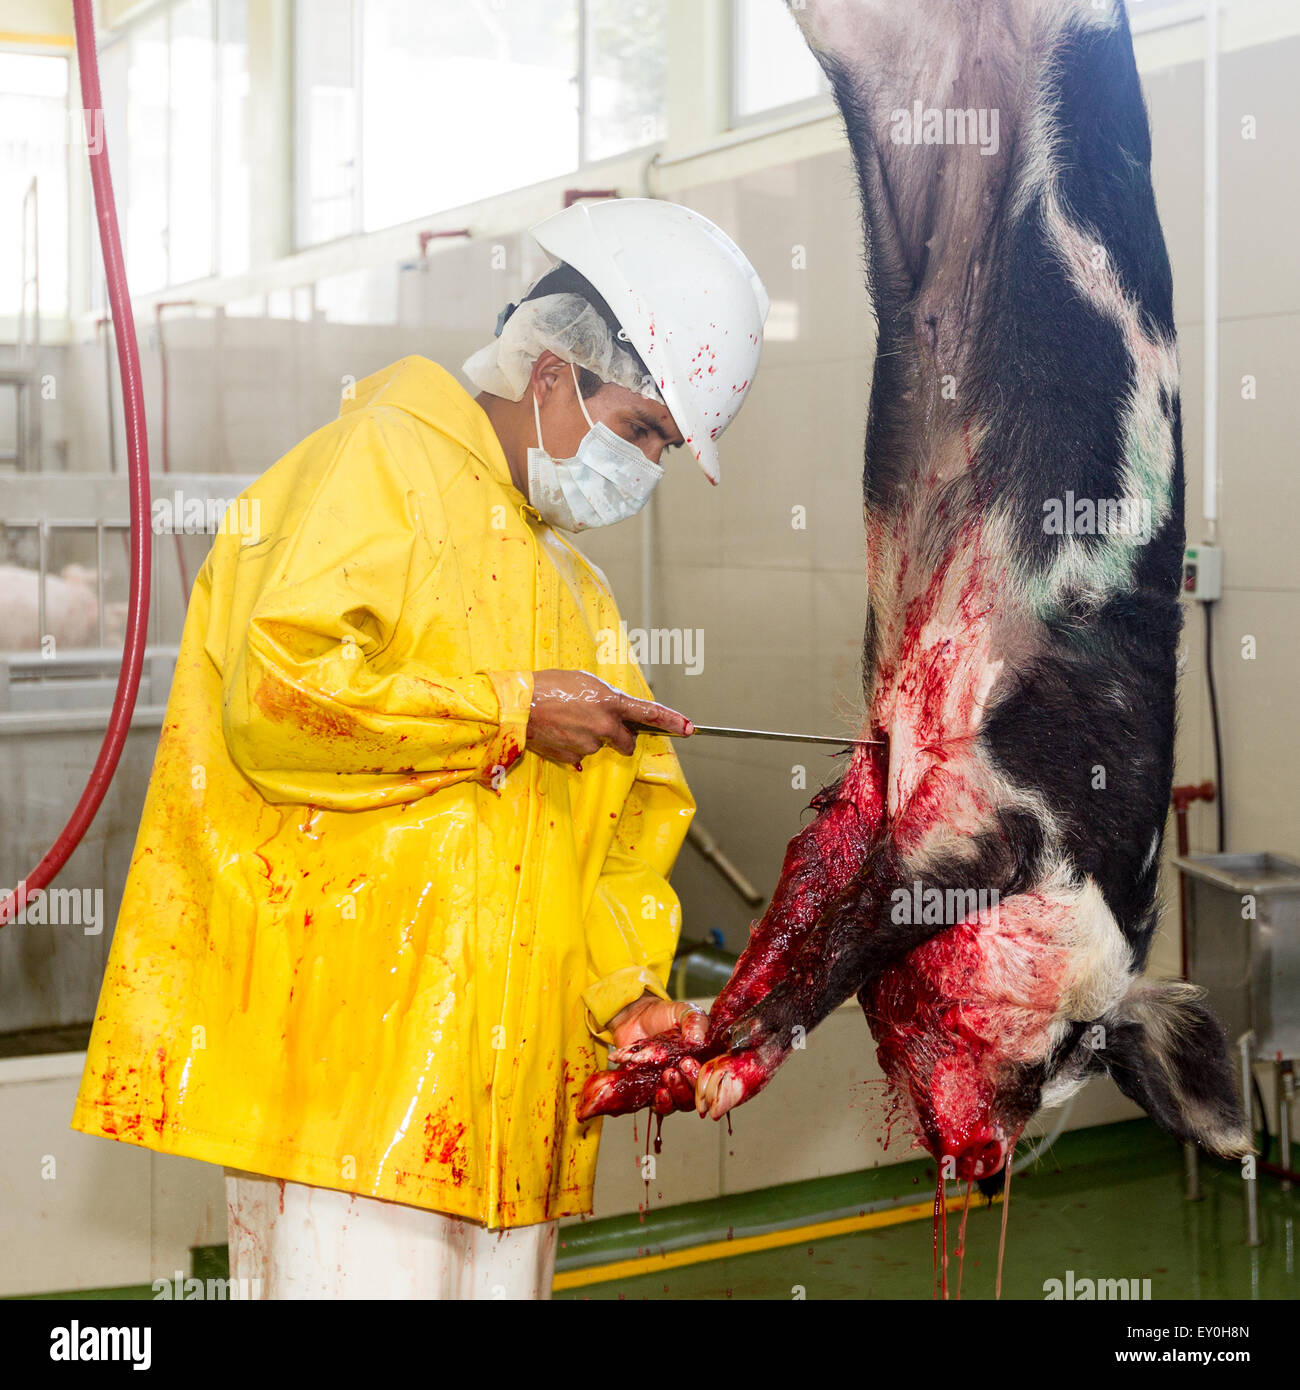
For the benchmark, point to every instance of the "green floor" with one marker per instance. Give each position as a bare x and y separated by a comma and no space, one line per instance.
1106,1204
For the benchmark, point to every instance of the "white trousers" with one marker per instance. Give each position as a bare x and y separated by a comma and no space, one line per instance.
291,1241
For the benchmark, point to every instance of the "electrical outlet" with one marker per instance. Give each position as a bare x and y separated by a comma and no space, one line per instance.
1203,572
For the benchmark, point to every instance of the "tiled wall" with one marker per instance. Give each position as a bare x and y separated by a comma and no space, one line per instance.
1260,336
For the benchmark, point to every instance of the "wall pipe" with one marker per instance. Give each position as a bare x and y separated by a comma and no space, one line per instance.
128,681
1182,797
427,236
1210,445
574,195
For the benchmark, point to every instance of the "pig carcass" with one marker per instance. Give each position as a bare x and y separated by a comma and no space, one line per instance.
985,880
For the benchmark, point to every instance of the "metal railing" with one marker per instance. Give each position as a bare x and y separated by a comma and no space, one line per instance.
41,517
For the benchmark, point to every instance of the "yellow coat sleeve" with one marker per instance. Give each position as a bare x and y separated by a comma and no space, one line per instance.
634,919
320,705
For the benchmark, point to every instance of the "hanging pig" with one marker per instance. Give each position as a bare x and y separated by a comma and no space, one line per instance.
985,879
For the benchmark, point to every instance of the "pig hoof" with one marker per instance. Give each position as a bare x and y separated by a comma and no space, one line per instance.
600,1096
729,1081
719,1088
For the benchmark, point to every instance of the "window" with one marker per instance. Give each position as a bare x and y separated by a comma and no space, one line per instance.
406,108
175,95
193,86
144,154
462,101
772,66
327,120
35,120
234,184
626,76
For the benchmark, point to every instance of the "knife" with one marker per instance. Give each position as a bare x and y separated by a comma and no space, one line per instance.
719,731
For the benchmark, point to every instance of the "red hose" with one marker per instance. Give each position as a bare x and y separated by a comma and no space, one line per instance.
128,681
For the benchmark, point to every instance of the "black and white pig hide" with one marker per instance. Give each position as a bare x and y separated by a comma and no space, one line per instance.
985,877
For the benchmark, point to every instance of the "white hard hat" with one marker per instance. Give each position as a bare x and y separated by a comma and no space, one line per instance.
683,292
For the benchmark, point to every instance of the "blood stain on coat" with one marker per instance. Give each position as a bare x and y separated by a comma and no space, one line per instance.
441,1143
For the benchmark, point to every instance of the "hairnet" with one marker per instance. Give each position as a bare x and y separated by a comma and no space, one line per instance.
573,330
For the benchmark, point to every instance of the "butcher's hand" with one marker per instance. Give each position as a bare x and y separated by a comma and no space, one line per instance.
575,713
647,1018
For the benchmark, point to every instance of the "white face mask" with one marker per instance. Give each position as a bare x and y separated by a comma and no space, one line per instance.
609,479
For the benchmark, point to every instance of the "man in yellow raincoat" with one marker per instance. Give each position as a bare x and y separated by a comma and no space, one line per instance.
403,860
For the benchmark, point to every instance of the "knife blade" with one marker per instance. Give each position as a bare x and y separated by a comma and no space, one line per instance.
779,736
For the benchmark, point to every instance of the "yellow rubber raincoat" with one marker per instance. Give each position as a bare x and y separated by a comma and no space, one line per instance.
365,941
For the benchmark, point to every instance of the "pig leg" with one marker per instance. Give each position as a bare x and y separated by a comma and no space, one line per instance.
820,862
853,940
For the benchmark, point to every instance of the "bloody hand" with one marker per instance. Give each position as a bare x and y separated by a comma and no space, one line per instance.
656,1073
639,1032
